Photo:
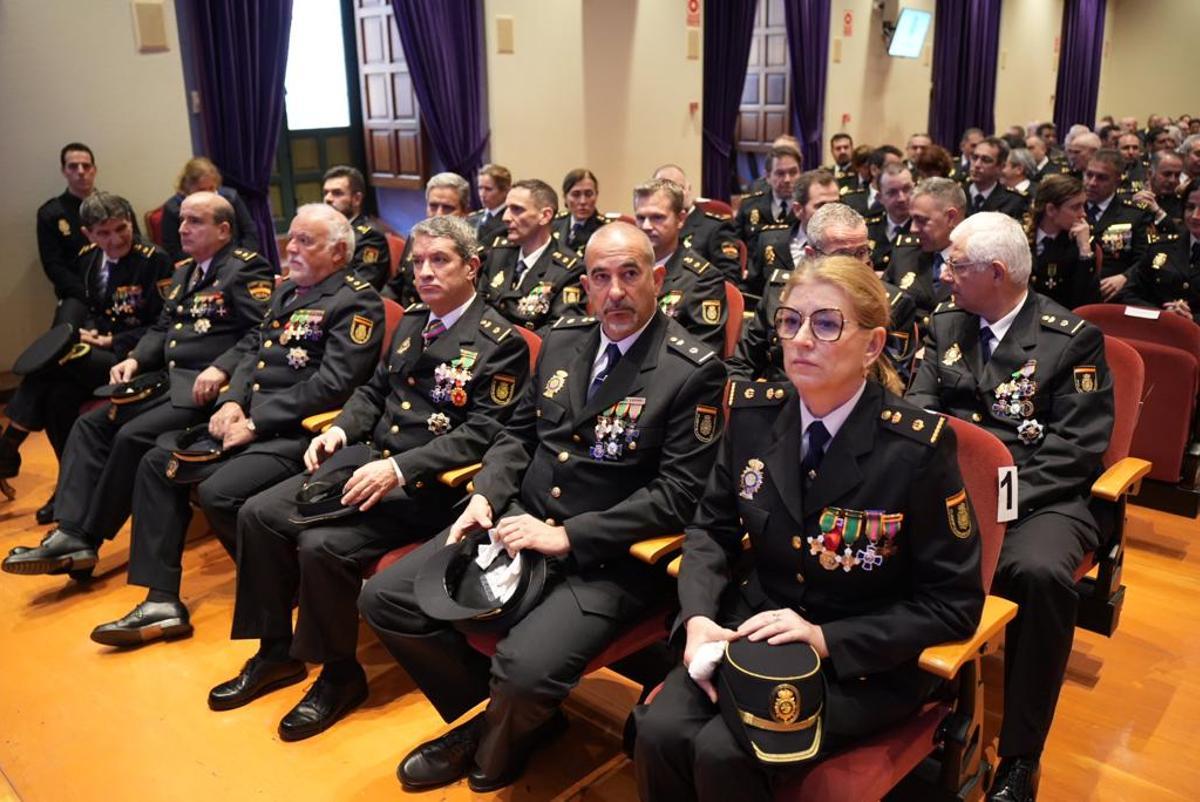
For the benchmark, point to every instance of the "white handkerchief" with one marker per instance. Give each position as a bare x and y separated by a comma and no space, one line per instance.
489,551
502,580
707,658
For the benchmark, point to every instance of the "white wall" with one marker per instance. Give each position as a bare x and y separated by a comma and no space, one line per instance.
1027,67
1151,59
69,70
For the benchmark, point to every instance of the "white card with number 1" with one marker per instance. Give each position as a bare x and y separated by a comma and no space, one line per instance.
1006,501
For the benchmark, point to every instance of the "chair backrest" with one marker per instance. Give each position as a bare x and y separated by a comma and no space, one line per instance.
743,259
735,304
714,206
980,457
395,251
153,220
1165,329
1128,378
392,312
535,345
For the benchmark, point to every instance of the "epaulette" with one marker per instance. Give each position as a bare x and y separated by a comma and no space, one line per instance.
416,307
780,276
496,330
1141,205
564,259
757,394
144,250
874,218
184,262
1024,193
754,194
1162,237
847,191
691,349
501,241
561,214
913,423
895,297
363,229
86,248
358,284
697,266
775,227
1067,323
574,322
906,239
717,215
946,306
245,255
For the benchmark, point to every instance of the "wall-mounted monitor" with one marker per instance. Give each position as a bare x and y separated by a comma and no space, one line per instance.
911,29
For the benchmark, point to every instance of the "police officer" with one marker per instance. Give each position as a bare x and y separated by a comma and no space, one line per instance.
868,203
60,234
1136,175
448,386
1044,162
1064,264
841,147
493,182
801,464
774,204
344,189
216,296
938,205
1081,147
531,279
122,278
1121,227
1033,374
710,234
781,245
446,194
318,341
575,225
833,229
1168,276
985,192
693,291
1161,195
565,480
883,229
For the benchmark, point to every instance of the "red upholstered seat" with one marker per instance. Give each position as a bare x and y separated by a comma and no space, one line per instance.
395,251
735,305
153,220
714,206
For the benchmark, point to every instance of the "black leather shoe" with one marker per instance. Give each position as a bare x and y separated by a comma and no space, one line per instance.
45,513
1014,780
443,760
10,459
482,783
144,623
324,703
257,677
58,553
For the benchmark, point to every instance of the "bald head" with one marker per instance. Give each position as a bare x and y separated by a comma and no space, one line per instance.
205,224
622,282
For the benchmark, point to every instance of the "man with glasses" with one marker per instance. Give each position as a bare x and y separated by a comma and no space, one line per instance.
1034,375
833,229
985,192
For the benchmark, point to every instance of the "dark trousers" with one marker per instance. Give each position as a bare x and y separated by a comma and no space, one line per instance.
162,510
319,565
685,751
95,479
535,665
1037,571
50,398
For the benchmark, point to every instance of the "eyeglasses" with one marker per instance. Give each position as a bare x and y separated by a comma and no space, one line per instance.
960,268
861,253
825,324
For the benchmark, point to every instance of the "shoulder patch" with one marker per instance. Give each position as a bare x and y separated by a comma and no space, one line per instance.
717,215
1068,323
697,266
574,322
913,423
757,394
496,330
245,255
416,307
260,290
86,248
358,284
691,349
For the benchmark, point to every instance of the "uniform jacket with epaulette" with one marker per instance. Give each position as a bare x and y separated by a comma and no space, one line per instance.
494,228
881,245
1046,393
372,255
438,407
565,459
60,237
881,549
773,251
711,235
311,349
549,290
756,211
693,293
1122,233
131,300
911,269
1001,199
1060,274
560,231
203,325
1166,273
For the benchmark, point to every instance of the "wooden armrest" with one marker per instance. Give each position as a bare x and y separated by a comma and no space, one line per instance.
652,550
321,421
946,659
1124,476
458,476
674,565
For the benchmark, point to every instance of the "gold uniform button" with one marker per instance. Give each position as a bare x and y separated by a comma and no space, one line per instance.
576,438
405,405
555,492
800,578
395,428
171,364
267,344
255,387
563,456
633,445
418,484
171,344
179,310
261,364
411,381
386,453
179,325
274,324
797,542
975,416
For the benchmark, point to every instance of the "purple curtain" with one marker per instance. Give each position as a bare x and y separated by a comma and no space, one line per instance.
808,48
443,45
728,25
966,40
241,51
1079,63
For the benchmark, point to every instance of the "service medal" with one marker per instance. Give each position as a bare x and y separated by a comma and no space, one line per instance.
751,480
1030,431
438,423
953,353
297,358
202,325
555,383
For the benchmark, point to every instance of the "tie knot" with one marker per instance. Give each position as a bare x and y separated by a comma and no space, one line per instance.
818,438
432,329
612,354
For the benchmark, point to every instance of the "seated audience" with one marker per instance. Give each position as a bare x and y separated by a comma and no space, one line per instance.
709,234
345,190
201,175
574,225
446,194
1064,255
1168,275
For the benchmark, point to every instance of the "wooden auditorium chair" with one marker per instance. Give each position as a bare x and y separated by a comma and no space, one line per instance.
395,251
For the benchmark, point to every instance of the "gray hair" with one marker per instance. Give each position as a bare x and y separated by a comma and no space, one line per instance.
1186,145
455,229
1158,156
101,206
831,215
452,181
337,227
988,237
1174,130
946,191
1022,158
1078,129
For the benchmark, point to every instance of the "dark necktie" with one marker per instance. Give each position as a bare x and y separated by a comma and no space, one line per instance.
105,271
1195,254
519,273
985,344
576,232
1093,213
938,261
433,329
818,438
197,277
612,355
979,201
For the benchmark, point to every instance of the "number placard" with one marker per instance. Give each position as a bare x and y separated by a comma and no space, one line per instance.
1006,502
